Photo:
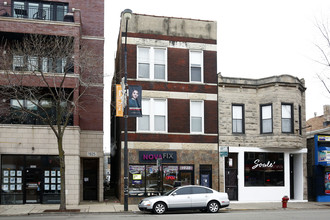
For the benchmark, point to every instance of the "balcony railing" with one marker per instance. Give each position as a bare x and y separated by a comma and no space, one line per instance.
46,12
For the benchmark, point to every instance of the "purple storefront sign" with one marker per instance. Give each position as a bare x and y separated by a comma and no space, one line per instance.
152,156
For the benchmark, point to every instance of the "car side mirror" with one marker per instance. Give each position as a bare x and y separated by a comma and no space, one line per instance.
174,194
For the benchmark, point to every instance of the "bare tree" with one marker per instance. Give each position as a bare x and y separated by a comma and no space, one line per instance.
324,48
43,81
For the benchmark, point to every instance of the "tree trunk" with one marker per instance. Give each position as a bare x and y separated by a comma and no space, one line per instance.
62,170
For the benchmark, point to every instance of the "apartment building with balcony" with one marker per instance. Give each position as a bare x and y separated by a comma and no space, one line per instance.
28,148
174,60
262,127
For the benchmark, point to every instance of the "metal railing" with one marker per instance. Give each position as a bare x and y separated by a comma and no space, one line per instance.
46,13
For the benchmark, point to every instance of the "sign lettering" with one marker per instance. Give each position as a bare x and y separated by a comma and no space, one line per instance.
152,156
263,165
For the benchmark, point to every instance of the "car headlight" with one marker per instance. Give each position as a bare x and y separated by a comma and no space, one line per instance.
146,203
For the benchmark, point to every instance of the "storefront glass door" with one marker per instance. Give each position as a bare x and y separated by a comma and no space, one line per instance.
33,178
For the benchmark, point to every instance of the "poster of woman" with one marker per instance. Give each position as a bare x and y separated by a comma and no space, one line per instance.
134,101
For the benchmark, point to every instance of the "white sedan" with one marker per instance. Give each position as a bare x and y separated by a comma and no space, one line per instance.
186,197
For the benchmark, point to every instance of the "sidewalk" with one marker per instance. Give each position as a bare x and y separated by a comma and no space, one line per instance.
112,207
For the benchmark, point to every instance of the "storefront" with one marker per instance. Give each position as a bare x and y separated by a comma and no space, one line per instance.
321,170
157,172
30,179
256,174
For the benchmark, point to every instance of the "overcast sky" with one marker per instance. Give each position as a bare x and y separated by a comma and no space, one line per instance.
256,38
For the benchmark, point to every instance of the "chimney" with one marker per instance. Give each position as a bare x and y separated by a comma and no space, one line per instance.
326,115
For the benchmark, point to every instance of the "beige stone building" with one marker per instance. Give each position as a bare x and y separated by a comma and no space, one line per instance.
261,125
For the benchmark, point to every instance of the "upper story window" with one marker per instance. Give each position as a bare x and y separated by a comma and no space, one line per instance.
152,63
196,66
42,108
287,118
238,118
44,64
54,11
266,119
196,116
300,122
154,115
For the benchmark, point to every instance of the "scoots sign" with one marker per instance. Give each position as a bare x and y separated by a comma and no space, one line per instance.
152,156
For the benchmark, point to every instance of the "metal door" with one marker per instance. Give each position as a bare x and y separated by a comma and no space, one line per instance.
231,172
90,179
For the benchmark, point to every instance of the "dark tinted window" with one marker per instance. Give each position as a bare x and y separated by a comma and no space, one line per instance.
183,191
198,190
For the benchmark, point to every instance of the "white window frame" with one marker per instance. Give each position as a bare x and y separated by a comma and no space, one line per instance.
151,63
287,118
262,117
237,118
201,65
152,115
202,116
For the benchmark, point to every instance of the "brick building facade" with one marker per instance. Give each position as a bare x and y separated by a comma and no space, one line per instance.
174,61
262,125
29,154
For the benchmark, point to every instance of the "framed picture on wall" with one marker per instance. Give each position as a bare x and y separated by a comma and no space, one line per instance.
19,187
5,187
5,180
46,187
53,187
12,179
12,187
53,180
5,173
46,172
19,172
12,173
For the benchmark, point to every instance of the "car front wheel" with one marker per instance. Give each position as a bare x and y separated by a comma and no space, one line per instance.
213,206
159,208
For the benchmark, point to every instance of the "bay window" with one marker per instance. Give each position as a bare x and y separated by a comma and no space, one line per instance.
266,119
287,118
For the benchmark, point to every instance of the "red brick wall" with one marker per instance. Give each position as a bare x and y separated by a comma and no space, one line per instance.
178,64
131,61
91,109
210,67
211,117
178,115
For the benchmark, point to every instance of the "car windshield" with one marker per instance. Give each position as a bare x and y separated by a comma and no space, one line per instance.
169,192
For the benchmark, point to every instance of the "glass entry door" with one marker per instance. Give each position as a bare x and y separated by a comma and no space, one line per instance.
33,178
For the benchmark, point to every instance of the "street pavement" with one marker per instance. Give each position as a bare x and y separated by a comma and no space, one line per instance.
115,207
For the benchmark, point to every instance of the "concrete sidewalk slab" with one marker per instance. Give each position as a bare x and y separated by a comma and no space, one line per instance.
113,207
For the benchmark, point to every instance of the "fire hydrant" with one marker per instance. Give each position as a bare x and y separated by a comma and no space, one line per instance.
285,200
